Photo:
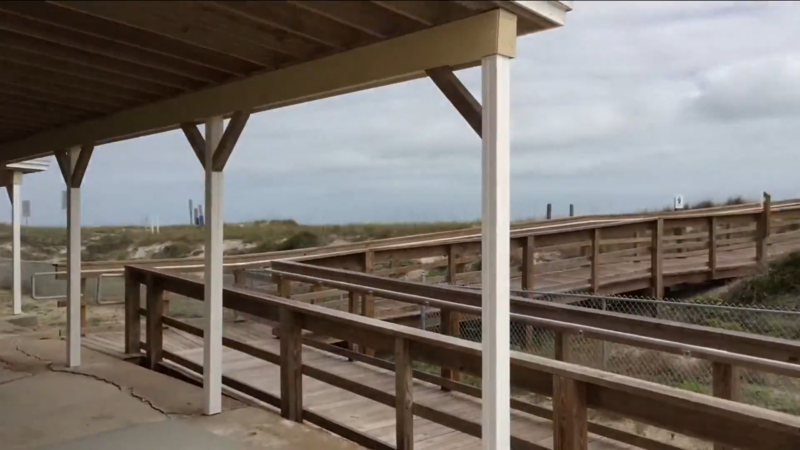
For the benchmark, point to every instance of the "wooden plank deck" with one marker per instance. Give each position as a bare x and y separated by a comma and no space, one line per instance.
358,412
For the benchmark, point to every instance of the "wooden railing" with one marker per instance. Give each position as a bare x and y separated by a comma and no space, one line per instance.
645,254
728,352
574,389
576,233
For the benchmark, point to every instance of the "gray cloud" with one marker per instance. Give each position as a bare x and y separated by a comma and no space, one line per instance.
629,104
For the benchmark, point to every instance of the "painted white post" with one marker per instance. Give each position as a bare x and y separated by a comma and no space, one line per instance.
73,265
495,253
212,338
16,255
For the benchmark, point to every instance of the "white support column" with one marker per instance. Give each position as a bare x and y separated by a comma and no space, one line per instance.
495,253
212,338
73,263
16,242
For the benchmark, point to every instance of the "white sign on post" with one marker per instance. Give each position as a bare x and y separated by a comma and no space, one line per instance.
679,203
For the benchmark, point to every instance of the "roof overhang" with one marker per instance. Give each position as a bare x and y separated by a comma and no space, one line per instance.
29,166
389,42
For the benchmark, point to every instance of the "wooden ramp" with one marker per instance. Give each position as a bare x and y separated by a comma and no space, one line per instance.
355,411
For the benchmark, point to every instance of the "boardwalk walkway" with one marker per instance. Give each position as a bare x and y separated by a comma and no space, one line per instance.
360,413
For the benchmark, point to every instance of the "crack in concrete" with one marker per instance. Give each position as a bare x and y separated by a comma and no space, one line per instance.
124,389
30,355
50,366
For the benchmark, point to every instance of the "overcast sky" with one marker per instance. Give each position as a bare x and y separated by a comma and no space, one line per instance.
626,106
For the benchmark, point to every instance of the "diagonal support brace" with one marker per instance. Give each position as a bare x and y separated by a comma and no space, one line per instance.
73,176
226,143
459,96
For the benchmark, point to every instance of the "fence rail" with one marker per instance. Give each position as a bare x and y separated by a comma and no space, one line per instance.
574,389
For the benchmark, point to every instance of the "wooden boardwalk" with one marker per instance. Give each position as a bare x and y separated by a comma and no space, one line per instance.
360,413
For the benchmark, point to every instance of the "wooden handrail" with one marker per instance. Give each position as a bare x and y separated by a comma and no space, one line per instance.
610,335
732,341
696,415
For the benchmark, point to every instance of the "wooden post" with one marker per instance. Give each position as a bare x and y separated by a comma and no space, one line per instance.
291,366
284,287
657,259
595,279
132,319
725,385
450,321
528,264
404,396
495,254
368,300
352,307
528,283
712,246
155,332
14,186
562,346
762,237
212,274
239,278
570,424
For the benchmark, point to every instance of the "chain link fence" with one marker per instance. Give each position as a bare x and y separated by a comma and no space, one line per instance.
776,392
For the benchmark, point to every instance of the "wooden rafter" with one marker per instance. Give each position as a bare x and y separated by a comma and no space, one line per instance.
315,28
102,63
364,16
185,59
459,96
177,25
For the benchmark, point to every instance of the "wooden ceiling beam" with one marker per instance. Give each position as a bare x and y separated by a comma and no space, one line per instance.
365,16
458,95
458,44
87,42
206,65
28,112
53,95
180,26
25,101
10,117
96,89
98,62
72,69
309,26
428,13
284,46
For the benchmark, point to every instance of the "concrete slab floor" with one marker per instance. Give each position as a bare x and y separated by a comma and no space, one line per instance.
108,403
